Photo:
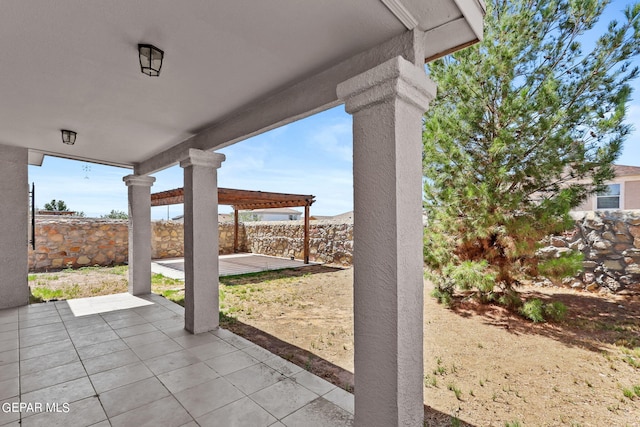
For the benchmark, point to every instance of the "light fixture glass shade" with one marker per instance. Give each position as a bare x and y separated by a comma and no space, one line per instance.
150,59
68,137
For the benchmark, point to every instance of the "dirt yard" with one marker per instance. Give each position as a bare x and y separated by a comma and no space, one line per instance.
483,366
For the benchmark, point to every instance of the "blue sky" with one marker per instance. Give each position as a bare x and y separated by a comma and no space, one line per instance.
311,156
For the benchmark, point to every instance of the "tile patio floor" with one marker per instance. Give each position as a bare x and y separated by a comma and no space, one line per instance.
120,360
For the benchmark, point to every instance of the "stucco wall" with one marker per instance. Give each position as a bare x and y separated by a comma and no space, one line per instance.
14,188
632,195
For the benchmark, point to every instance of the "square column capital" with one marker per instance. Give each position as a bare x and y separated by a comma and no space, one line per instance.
396,78
138,180
202,158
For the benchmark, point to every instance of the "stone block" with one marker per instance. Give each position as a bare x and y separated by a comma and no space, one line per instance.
83,260
613,265
632,269
55,237
100,259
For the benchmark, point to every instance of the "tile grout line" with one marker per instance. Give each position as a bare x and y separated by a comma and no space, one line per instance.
96,395
20,364
143,362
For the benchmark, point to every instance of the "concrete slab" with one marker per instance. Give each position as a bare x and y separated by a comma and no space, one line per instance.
229,265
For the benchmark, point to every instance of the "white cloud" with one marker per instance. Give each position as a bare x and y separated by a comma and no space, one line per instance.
335,139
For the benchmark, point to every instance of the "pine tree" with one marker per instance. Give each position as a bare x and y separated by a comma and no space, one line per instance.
525,126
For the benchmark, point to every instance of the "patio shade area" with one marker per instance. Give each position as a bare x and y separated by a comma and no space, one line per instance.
137,366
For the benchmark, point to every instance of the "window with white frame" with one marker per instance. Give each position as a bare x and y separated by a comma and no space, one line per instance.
610,198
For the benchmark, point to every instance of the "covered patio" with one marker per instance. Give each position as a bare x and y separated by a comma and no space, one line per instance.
122,360
231,70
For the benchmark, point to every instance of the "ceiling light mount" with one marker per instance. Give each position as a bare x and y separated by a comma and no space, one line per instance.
68,136
150,59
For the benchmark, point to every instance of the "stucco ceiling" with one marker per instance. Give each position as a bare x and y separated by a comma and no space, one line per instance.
73,64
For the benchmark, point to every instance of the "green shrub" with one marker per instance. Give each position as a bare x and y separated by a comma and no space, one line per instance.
471,274
555,311
537,311
567,265
444,296
510,298
533,310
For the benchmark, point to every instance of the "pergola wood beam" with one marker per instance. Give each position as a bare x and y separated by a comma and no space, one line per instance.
239,199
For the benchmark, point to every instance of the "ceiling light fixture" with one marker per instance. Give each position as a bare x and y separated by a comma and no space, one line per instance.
150,59
68,137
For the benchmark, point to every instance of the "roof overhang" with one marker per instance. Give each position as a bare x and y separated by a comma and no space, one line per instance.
231,70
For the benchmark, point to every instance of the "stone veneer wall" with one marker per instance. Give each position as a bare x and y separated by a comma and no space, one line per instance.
168,238
329,242
78,242
610,242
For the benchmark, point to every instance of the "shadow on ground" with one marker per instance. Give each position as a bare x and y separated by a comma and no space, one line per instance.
318,366
592,321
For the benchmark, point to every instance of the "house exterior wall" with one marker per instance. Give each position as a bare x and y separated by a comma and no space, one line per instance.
276,217
632,194
629,195
587,205
14,214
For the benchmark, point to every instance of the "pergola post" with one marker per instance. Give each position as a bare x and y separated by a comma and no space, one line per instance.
235,230
387,103
139,194
201,240
306,234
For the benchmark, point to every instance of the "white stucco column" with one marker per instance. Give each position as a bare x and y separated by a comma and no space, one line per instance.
201,240
387,103
139,187
14,218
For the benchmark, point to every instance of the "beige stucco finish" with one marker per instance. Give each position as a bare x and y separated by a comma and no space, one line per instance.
632,194
14,188
629,194
387,104
201,301
139,193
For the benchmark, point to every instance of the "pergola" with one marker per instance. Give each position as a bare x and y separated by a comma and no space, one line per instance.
246,200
